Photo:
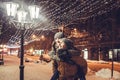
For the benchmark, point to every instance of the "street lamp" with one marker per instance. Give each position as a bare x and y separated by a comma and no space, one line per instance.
18,14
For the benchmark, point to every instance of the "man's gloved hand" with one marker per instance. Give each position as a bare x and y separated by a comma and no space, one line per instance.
46,58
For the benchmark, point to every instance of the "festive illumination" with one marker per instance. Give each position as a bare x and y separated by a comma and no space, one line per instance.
11,8
34,10
21,16
56,13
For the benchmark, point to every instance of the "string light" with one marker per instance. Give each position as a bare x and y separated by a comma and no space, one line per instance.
66,12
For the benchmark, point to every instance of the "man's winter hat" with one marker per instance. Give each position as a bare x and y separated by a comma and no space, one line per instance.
59,35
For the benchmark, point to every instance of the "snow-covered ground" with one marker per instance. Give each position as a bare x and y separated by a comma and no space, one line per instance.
43,71
106,73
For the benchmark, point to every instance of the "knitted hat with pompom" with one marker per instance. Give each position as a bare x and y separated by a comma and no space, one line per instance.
68,42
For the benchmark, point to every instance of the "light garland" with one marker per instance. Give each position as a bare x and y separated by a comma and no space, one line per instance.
67,11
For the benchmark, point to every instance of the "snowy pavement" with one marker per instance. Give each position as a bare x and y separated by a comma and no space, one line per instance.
42,71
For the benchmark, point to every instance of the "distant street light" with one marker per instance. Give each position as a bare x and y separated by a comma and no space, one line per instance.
43,37
18,14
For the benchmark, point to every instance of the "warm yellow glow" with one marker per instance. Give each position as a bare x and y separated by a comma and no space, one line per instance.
1,45
75,29
31,50
33,36
5,49
43,37
4,46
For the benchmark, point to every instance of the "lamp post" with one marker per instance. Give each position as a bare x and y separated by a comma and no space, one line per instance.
18,14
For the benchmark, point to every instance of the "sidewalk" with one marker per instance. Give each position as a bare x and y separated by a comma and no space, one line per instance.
33,71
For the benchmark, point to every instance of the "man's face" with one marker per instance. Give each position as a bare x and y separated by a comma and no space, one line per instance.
60,44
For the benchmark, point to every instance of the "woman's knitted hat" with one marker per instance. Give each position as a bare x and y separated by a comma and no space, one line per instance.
68,42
